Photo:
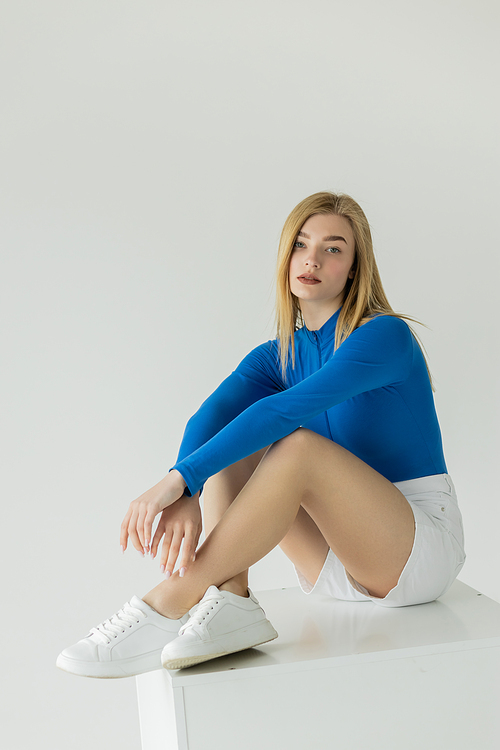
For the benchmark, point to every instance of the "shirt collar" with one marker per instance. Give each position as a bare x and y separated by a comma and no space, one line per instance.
327,331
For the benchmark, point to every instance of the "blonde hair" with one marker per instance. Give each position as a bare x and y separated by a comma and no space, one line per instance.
364,295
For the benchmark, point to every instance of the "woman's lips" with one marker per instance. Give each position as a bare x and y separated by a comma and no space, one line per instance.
304,280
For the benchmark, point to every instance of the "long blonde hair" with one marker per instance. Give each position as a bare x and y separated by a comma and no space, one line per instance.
364,295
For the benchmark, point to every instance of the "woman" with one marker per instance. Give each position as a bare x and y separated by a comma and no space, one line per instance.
324,441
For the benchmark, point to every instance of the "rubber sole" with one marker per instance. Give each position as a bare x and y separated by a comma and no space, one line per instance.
189,660
110,670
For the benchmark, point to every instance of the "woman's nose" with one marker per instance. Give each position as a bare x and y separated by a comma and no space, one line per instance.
312,260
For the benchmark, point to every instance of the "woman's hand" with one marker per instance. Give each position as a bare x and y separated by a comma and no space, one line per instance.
138,522
180,521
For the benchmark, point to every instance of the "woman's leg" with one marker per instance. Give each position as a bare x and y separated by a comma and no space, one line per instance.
219,492
303,544
363,517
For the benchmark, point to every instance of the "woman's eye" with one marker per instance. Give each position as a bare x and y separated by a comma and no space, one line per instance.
298,244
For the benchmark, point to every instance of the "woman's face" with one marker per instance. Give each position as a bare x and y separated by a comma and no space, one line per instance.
321,260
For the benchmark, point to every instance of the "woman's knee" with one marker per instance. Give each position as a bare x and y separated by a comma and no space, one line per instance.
300,440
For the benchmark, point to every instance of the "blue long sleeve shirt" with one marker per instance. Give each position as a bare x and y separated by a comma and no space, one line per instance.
372,396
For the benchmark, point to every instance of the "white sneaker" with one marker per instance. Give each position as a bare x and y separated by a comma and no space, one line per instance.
129,643
220,624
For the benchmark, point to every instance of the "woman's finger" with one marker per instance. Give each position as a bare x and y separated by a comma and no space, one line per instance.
160,530
124,530
167,539
132,531
148,526
188,546
173,552
140,527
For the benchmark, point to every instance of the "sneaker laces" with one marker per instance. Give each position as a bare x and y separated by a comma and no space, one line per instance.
200,611
125,617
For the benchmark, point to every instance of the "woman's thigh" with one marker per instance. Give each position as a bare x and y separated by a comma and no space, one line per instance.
362,516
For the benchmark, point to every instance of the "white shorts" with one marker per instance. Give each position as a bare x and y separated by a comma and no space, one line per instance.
436,558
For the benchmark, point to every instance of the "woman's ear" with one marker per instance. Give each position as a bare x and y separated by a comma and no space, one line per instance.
351,273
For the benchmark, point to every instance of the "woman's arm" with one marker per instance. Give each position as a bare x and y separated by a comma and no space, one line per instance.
375,355
256,377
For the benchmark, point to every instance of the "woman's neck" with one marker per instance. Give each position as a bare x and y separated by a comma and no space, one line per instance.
316,315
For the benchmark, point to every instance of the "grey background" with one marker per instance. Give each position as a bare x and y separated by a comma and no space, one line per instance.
150,153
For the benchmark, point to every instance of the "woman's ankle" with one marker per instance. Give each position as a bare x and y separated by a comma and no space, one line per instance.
235,587
169,599
161,609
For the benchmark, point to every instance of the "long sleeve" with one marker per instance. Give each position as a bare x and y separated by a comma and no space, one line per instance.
376,355
255,378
